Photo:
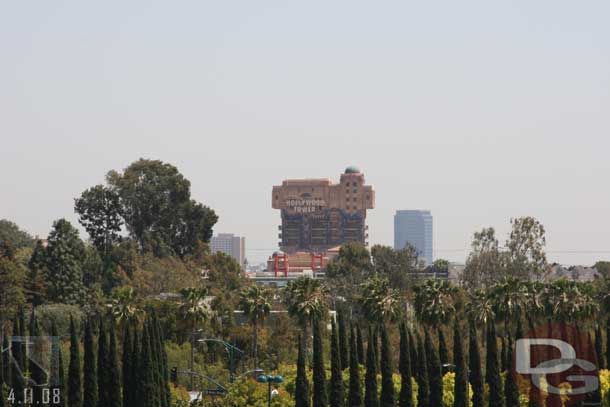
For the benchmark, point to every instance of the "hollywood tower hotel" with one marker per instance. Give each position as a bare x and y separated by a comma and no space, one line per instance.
318,215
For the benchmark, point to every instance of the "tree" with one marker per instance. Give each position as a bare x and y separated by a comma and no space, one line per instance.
476,375
65,254
413,353
435,373
460,389
608,342
193,310
114,381
348,270
485,264
511,390
320,395
434,301
336,393
11,234
301,393
343,340
146,379
443,352
397,266
37,375
89,368
492,372
404,366
254,301
103,364
603,268
157,208
370,378
75,395
306,300
360,345
599,347
379,301
387,384
99,212
527,259
11,282
124,306
57,378
355,392
423,393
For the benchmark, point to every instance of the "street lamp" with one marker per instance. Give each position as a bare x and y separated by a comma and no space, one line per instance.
269,380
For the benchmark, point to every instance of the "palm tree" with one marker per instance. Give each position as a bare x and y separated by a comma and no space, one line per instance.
254,302
194,309
379,301
306,298
123,306
435,301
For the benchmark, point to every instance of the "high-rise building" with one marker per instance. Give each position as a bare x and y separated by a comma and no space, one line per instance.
318,215
229,244
414,227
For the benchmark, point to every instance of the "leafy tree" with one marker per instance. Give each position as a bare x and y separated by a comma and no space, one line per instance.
11,282
398,266
355,392
434,301
124,306
404,366
157,208
379,301
434,372
320,395
387,384
146,377
460,389
90,389
348,270
492,372
18,369
255,303
11,234
343,340
476,374
75,395
608,342
65,254
441,265
527,259
36,281
193,310
57,379
413,353
511,390
336,393
37,375
485,264
306,300
99,212
599,347
301,393
603,268
423,393
370,378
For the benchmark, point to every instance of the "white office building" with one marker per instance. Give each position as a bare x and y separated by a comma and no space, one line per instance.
229,244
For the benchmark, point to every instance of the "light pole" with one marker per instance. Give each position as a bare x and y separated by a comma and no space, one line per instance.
269,380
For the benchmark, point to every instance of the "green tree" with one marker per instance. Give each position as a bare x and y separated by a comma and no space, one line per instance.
343,340
336,393
599,347
460,389
146,377
379,301
320,395
603,268
404,366
413,353
608,342
11,234
65,255
476,374
306,300
11,283
434,301
37,375
360,345
492,372
57,378
398,266
103,366
527,259
423,393
114,381
434,372
36,281
348,270
355,391
90,389
387,384
511,391
485,264
124,306
99,212
301,393
370,378
75,395
443,352
254,301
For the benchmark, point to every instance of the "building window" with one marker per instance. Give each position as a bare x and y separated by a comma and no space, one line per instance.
354,199
355,191
347,184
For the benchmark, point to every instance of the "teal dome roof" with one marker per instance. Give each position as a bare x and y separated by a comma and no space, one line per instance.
352,170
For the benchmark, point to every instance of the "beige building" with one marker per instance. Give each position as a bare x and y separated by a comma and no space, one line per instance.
318,214
229,244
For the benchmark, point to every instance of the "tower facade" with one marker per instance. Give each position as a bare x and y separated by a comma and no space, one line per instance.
414,227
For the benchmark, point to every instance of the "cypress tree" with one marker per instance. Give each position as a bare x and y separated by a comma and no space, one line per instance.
75,395
320,395
511,390
476,374
114,380
423,394
136,375
154,346
89,368
343,341
164,368
404,366
127,365
336,396
146,383
360,345
6,362
598,347
17,371
413,352
387,384
355,392
22,345
103,366
503,355
435,373
57,380
301,392
370,378
37,375
460,389
492,373
376,348
443,352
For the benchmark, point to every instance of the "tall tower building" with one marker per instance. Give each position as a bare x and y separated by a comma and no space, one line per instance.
231,245
318,215
414,227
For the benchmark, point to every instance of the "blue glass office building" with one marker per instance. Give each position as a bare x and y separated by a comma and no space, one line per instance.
414,227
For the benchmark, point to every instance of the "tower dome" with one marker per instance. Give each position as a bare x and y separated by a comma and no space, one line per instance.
352,170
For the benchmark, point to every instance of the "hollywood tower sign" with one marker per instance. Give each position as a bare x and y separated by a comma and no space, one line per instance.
318,215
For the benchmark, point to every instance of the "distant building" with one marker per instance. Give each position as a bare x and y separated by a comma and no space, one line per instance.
318,214
229,244
414,227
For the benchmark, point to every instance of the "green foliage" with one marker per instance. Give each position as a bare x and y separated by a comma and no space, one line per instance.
254,301
336,393
492,371
115,398
387,384
320,395
423,392
370,378
11,234
474,365
360,345
90,389
355,389
11,282
434,301
434,372
443,351
398,266
348,270
379,301
301,393
511,391
75,395
485,264
404,367
249,393
460,389
343,340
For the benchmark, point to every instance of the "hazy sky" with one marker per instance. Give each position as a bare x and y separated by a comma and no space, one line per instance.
477,110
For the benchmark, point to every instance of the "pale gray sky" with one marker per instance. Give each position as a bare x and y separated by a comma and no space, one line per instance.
478,110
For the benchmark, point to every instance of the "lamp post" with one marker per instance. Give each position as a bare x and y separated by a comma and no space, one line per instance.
269,380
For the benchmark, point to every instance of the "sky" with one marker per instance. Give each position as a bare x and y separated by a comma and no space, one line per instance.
479,111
